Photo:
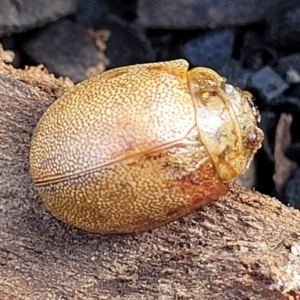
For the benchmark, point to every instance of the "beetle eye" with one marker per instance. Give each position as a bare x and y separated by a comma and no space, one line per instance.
254,139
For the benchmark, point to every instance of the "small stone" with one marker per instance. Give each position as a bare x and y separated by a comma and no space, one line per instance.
289,66
268,83
210,50
292,76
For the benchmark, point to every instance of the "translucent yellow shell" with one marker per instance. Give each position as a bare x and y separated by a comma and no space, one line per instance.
140,146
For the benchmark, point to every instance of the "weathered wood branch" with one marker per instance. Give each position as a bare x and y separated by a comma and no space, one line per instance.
244,246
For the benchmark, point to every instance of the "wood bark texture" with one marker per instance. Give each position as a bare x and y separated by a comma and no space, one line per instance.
243,246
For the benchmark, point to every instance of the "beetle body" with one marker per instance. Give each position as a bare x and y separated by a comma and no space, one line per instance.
140,146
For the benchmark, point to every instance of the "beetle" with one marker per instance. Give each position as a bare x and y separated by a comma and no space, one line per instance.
139,146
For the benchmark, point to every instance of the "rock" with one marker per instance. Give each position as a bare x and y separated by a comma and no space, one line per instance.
210,50
235,74
283,30
255,53
269,84
90,13
289,67
183,14
22,15
65,48
127,43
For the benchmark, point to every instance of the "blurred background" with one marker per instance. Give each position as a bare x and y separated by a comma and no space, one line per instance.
254,44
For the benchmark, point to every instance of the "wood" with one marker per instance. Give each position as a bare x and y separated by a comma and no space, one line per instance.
244,246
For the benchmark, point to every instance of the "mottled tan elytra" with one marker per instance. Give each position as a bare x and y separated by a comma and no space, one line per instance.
140,146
